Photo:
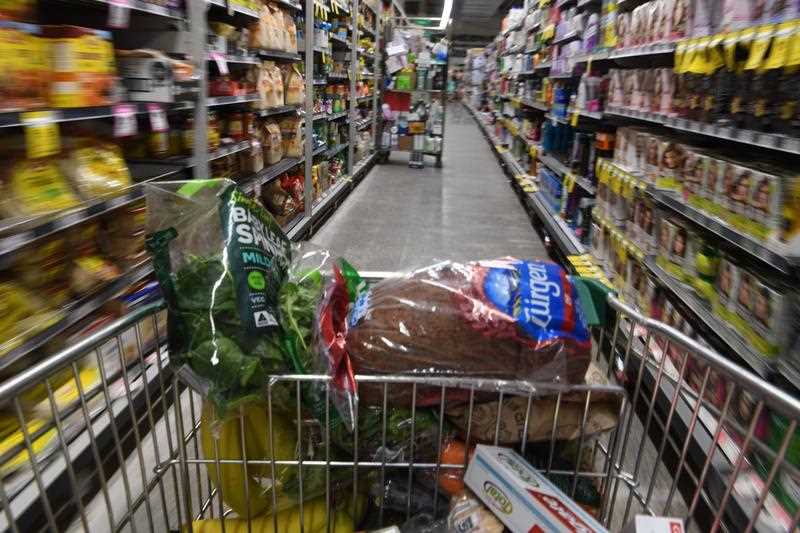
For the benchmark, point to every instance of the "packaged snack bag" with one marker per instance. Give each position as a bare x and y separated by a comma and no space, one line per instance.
292,135
272,142
294,86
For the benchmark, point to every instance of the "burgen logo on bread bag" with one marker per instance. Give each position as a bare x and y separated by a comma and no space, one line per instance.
497,497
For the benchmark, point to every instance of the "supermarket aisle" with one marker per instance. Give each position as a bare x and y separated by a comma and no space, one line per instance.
400,218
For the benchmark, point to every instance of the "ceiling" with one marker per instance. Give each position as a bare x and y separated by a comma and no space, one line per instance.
475,22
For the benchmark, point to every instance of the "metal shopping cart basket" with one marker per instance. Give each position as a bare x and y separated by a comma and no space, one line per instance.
125,452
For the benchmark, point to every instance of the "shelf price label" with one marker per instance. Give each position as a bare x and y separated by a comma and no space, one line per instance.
119,14
158,119
569,182
124,120
41,133
576,115
222,63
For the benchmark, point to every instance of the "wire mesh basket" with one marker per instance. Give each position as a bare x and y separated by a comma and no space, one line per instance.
675,430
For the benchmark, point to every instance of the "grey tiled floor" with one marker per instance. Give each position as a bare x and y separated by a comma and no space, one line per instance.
400,218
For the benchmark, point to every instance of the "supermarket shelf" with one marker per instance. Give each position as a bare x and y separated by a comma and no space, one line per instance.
740,508
364,124
26,505
75,312
279,110
330,196
565,239
561,169
338,77
319,116
645,50
627,5
279,55
236,8
367,74
246,60
363,29
23,233
287,3
228,150
335,150
789,372
543,65
321,81
733,238
603,55
728,341
541,106
433,91
16,118
321,149
564,3
571,36
299,228
269,173
366,98
586,3
781,143
338,115
526,73
146,7
292,224
336,40
228,100
563,75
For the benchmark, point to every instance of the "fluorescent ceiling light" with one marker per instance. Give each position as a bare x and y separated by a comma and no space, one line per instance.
446,11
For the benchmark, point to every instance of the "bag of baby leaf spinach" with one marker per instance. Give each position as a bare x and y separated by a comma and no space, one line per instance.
221,259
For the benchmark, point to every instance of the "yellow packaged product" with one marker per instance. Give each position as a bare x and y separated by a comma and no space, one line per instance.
22,316
34,187
90,272
96,170
83,69
11,438
24,67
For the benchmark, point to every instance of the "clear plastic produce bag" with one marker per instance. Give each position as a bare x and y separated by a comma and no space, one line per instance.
503,319
221,259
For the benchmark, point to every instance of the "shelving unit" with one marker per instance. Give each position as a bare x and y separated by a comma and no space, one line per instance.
193,105
522,91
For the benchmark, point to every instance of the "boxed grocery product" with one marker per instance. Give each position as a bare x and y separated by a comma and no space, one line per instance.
652,147
654,524
522,498
670,164
676,249
82,64
692,175
24,83
292,134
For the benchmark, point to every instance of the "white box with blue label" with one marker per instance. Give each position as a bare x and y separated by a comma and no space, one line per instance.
521,497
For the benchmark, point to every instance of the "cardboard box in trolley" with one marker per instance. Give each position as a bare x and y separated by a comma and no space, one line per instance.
654,524
522,498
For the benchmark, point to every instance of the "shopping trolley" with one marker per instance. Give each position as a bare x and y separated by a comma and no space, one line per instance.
689,439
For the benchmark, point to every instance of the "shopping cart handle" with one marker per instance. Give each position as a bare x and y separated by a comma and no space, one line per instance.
593,296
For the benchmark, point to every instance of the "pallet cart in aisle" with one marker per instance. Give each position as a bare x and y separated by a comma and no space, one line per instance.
415,92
